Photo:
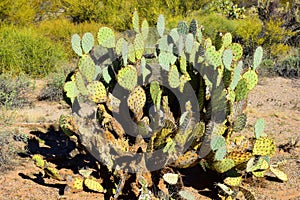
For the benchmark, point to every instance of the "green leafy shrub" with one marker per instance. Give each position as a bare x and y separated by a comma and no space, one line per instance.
290,67
23,50
227,8
53,91
267,68
14,91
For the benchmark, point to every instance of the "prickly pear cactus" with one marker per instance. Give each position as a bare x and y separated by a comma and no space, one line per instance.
176,106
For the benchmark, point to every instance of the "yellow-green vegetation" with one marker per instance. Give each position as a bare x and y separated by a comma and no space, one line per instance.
48,25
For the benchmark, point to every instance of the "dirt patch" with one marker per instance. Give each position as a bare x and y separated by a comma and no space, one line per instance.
276,100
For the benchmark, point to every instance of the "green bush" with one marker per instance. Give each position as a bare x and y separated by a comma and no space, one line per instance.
53,91
289,67
23,50
14,91
267,68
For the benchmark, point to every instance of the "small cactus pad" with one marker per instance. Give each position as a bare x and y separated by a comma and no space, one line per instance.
161,25
53,173
264,147
119,45
171,178
136,22
279,174
131,53
241,90
236,75
221,153
193,27
182,28
155,93
87,42
259,128
239,157
38,161
186,160
97,92
257,58
145,29
76,44
189,43
164,61
80,84
173,77
240,122
106,37
223,165
93,185
139,46
127,77
227,40
251,79
77,184
87,67
137,100
71,89
227,58
237,51
217,141
233,181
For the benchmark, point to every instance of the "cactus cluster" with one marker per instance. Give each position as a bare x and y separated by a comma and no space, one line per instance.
178,106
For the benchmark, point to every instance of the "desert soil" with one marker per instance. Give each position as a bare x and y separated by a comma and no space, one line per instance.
276,100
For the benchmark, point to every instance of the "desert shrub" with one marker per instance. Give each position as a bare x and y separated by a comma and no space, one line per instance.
53,91
290,67
267,68
19,12
60,30
13,91
227,8
23,50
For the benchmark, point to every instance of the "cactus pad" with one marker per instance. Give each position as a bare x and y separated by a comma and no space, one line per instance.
239,157
145,29
119,45
233,181
259,128
257,58
241,90
71,89
279,174
136,22
127,77
164,61
39,161
155,93
87,67
97,92
186,160
93,185
139,46
240,122
251,79
237,51
189,43
137,100
171,178
161,25
87,42
80,84
227,40
223,165
264,147
106,37
173,77
193,27
76,184
227,58
236,75
182,28
67,124
76,44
